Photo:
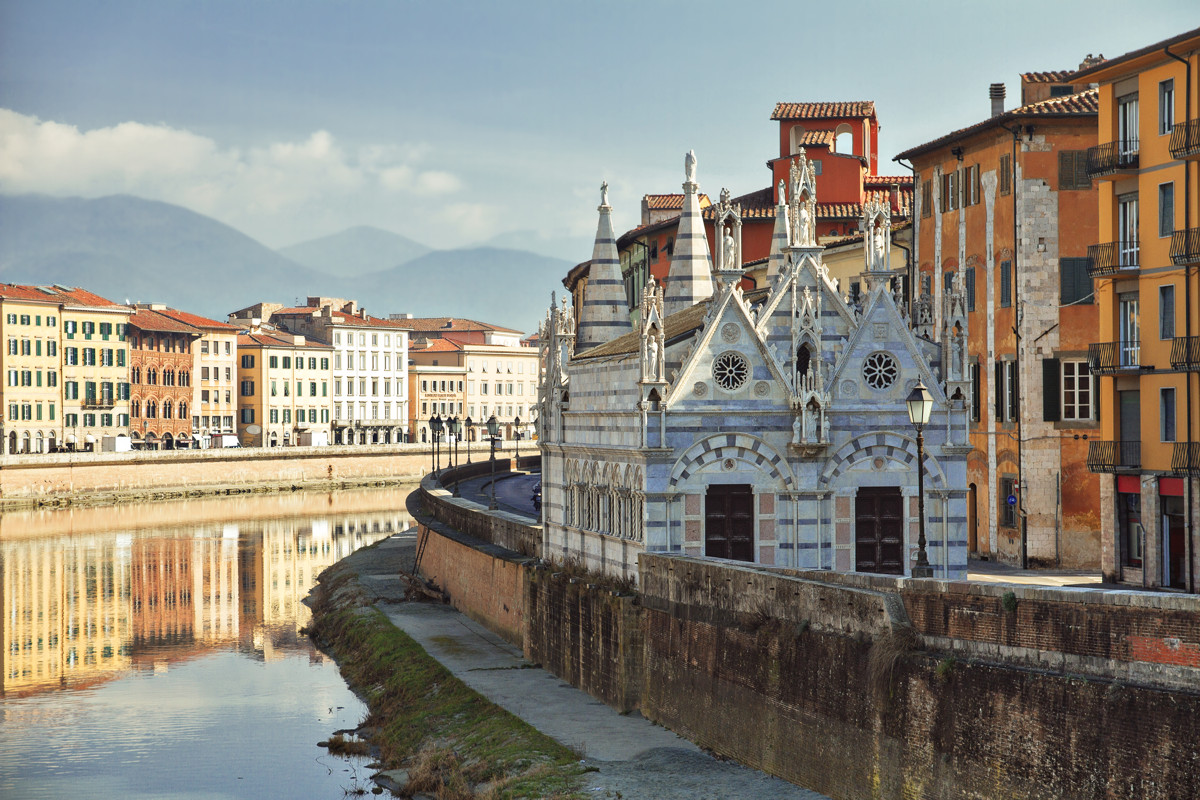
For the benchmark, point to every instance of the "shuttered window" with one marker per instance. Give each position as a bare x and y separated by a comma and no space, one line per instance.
1005,174
1051,387
1072,170
1005,284
970,288
1075,284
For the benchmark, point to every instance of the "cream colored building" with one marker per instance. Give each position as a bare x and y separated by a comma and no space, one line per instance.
95,368
31,393
283,389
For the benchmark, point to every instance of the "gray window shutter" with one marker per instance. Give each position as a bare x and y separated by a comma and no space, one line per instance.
998,391
1051,390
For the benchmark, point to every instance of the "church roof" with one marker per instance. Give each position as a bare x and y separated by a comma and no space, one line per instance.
864,108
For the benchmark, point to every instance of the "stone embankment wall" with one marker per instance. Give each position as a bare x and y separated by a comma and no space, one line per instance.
864,686
110,477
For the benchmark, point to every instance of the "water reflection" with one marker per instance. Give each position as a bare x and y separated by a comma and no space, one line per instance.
90,594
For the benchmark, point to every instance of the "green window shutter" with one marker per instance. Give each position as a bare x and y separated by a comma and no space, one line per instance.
998,390
1051,390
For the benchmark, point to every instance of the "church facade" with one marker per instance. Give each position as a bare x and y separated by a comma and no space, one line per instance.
766,426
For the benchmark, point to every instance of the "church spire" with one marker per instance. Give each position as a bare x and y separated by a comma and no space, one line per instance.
779,239
690,278
605,313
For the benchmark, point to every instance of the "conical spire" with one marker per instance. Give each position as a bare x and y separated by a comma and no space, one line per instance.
605,312
690,279
779,239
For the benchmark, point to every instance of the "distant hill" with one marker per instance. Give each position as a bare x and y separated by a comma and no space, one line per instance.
355,251
573,249
124,247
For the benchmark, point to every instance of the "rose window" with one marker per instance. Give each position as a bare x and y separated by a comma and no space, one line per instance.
880,370
730,371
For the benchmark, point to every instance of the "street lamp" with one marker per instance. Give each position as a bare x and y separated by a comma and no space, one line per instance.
454,427
920,406
517,438
493,429
470,432
435,430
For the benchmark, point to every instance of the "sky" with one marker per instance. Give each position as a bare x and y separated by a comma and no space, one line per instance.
456,123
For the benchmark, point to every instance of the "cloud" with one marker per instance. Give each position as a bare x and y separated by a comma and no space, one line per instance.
237,185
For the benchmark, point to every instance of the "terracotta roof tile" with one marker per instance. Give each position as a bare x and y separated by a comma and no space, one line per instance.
151,320
824,110
1113,66
888,180
270,340
195,320
1081,104
1049,76
437,346
817,139
671,202
433,324
759,205
11,291
60,294
342,317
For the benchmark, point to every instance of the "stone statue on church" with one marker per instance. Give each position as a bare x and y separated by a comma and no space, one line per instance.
729,258
689,166
804,224
782,192
604,193
653,353
797,429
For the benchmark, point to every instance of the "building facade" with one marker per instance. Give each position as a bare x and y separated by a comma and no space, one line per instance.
1006,205
1145,264
160,375
31,395
95,368
767,426
283,389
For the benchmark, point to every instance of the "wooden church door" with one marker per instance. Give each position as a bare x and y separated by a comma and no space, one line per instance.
729,521
879,530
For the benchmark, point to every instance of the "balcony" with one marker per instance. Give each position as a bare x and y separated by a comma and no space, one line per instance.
1185,458
1107,358
1113,258
1112,159
1185,139
1185,352
1185,247
102,402
1114,456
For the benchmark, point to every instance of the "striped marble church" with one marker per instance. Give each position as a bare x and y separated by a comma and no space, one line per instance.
765,425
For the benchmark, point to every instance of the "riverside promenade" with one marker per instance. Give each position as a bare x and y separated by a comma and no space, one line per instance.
627,756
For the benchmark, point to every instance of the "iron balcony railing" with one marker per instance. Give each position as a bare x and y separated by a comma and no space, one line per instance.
1105,358
1110,258
1114,456
1110,157
1185,139
1185,246
1185,458
101,402
1185,352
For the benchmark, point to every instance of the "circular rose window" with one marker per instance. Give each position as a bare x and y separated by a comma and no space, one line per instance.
880,370
730,371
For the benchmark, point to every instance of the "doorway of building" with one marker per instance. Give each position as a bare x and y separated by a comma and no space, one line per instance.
1173,532
879,530
972,519
729,521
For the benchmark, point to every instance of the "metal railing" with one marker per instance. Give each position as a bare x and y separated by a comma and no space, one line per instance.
102,402
1185,139
1114,456
1185,458
1185,352
1105,358
1110,157
1185,246
1109,258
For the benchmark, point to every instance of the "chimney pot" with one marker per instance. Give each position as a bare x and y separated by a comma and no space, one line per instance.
996,92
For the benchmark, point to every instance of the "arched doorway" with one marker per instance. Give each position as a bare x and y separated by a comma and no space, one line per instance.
12,442
168,442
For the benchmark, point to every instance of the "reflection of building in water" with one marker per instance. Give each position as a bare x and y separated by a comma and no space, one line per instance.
66,615
76,610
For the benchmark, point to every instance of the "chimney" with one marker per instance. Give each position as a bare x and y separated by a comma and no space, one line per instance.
996,92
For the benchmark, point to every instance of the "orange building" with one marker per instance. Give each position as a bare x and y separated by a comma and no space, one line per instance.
1005,207
1144,261
160,377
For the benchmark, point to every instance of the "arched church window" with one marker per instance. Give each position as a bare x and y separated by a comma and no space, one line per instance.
803,357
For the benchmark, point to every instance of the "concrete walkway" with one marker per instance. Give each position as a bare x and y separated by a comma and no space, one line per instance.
630,756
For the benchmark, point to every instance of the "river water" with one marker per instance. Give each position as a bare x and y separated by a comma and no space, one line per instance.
153,651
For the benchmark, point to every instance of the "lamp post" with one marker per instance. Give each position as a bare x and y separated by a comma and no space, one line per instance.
435,430
455,429
470,431
517,438
920,406
493,428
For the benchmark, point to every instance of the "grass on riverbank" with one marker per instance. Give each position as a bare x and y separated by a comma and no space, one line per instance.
455,744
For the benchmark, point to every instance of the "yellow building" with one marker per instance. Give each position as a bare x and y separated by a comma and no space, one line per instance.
95,367
31,393
282,389
1148,292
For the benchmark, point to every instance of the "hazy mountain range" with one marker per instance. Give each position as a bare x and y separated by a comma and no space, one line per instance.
127,248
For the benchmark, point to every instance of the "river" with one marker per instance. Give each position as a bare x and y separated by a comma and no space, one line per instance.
153,650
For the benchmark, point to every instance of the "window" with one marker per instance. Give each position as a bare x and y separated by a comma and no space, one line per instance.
1076,389
287,415
1075,284
1166,414
970,188
1006,281
969,286
204,346
287,362
325,363
1166,107
247,416
926,198
247,363
950,189
1005,391
247,388
1008,512
312,364
51,348
89,356
1072,170
274,415
273,362
1166,311
973,373
1004,176
1166,209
